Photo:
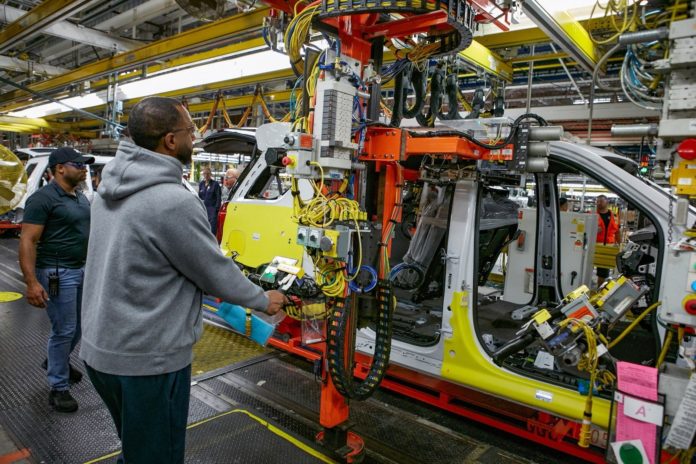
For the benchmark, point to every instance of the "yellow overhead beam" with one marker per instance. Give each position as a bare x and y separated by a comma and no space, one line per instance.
481,57
206,35
532,35
247,45
39,17
565,31
36,123
191,91
243,101
27,129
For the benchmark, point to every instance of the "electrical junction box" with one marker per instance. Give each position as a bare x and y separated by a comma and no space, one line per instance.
333,119
618,297
679,291
333,243
683,176
297,164
299,148
579,308
336,243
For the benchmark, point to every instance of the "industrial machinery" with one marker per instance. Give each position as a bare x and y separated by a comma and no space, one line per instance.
13,188
397,235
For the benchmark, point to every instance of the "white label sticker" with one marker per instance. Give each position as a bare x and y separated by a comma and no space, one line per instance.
256,236
684,181
545,330
544,360
643,411
681,434
601,350
544,396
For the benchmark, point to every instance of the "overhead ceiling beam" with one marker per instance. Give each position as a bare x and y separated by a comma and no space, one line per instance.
35,123
193,39
38,18
208,88
534,35
70,31
138,15
565,31
130,18
490,62
581,112
239,47
17,65
195,58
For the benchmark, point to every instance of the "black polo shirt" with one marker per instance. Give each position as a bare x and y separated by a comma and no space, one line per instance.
65,219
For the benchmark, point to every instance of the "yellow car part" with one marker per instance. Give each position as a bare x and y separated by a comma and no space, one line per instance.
258,233
464,364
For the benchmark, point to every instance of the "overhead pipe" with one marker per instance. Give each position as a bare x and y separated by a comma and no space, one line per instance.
633,130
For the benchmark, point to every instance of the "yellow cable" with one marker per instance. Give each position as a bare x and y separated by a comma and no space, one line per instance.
665,349
633,324
613,9
587,363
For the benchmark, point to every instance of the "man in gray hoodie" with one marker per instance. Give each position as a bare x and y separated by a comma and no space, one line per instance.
151,255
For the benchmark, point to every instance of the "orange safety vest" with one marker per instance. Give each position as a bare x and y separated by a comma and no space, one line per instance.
607,235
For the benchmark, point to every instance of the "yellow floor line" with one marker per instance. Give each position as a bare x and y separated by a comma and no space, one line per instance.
272,428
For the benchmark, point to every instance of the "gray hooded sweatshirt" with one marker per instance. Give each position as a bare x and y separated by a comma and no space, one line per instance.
151,255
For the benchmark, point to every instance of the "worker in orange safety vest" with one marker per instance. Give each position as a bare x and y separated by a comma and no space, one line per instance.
608,232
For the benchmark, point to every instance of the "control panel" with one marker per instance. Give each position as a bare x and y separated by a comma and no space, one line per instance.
333,243
679,294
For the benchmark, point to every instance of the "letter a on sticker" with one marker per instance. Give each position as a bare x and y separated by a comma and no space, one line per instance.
641,411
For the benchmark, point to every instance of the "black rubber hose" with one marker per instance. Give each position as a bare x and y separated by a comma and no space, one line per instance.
410,76
451,90
436,88
512,347
399,97
416,79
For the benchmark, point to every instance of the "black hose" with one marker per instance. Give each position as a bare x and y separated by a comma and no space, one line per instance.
512,347
399,97
416,78
409,76
437,84
452,91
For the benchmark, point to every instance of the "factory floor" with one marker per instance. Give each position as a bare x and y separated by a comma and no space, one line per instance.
248,405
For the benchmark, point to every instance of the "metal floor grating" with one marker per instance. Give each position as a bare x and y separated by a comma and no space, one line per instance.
240,437
400,435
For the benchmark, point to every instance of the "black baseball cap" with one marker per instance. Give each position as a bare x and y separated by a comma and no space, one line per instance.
65,154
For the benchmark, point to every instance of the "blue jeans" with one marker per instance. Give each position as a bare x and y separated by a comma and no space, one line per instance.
64,313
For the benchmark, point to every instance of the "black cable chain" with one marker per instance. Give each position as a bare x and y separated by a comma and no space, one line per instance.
336,338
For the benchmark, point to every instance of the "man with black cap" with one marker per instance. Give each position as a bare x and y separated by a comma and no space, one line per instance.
52,253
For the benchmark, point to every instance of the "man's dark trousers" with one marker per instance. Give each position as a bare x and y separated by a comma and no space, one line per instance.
150,413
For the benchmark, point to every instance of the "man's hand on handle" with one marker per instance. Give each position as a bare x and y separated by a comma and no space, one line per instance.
276,301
